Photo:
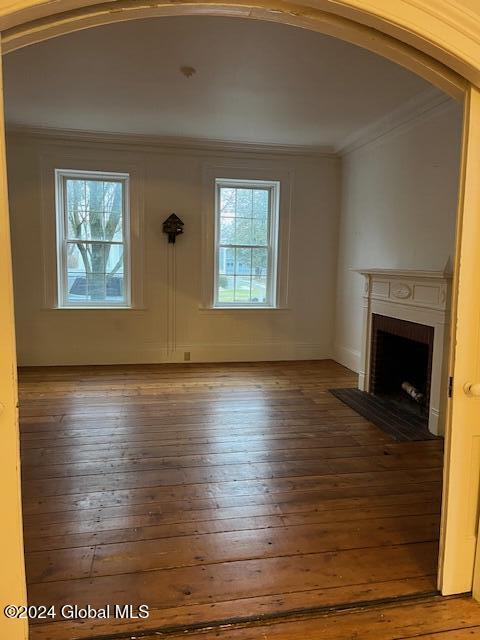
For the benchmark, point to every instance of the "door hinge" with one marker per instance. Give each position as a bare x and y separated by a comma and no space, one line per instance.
450,386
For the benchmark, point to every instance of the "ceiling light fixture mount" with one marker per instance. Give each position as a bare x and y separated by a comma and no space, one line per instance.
187,71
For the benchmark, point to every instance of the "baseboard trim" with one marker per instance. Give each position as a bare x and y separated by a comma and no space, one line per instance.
349,358
158,354
251,352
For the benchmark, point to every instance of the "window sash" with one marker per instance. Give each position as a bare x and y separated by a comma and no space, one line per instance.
271,245
64,239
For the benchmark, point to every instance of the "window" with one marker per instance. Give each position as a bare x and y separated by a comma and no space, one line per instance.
246,243
92,239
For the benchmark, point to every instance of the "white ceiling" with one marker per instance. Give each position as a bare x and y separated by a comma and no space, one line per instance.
254,82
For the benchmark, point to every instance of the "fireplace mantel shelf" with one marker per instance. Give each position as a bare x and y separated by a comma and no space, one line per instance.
405,273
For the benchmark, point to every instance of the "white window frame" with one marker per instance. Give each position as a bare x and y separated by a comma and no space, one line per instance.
273,187
249,169
61,176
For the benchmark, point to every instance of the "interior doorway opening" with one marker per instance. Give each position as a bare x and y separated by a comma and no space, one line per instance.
88,149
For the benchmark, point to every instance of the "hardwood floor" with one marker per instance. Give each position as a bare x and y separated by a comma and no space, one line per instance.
435,618
218,493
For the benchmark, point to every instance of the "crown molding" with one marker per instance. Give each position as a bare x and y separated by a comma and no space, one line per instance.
156,143
425,105
422,106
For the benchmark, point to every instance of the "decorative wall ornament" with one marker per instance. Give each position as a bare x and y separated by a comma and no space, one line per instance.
173,227
401,291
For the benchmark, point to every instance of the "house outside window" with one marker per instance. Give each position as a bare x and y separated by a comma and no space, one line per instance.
93,265
246,243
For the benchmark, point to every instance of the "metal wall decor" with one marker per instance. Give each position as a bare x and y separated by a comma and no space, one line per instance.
173,227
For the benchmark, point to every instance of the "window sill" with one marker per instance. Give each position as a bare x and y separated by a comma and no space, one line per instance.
92,308
203,309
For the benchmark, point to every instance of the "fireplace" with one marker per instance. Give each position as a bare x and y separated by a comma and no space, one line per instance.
401,363
405,341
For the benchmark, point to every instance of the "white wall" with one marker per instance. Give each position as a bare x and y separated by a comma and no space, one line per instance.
171,321
398,210
398,200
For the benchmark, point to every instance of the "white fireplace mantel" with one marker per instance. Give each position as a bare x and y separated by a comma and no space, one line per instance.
414,296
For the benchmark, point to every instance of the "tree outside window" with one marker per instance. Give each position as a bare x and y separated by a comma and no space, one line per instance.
92,248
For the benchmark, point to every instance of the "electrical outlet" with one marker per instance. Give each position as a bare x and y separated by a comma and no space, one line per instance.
186,356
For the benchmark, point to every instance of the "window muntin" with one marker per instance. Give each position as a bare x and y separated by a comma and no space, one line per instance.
92,234
246,243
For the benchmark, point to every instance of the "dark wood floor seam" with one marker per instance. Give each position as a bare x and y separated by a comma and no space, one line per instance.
285,616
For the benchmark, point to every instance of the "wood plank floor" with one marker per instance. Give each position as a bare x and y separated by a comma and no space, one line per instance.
217,493
435,618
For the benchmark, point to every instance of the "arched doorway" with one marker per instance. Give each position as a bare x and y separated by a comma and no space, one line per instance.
339,26
431,57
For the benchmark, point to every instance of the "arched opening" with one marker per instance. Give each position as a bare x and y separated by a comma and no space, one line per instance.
454,82
328,23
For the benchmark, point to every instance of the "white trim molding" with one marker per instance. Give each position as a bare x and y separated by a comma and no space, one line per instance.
154,353
270,247
422,297
253,171
425,105
79,160
154,143
63,240
250,352
347,357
